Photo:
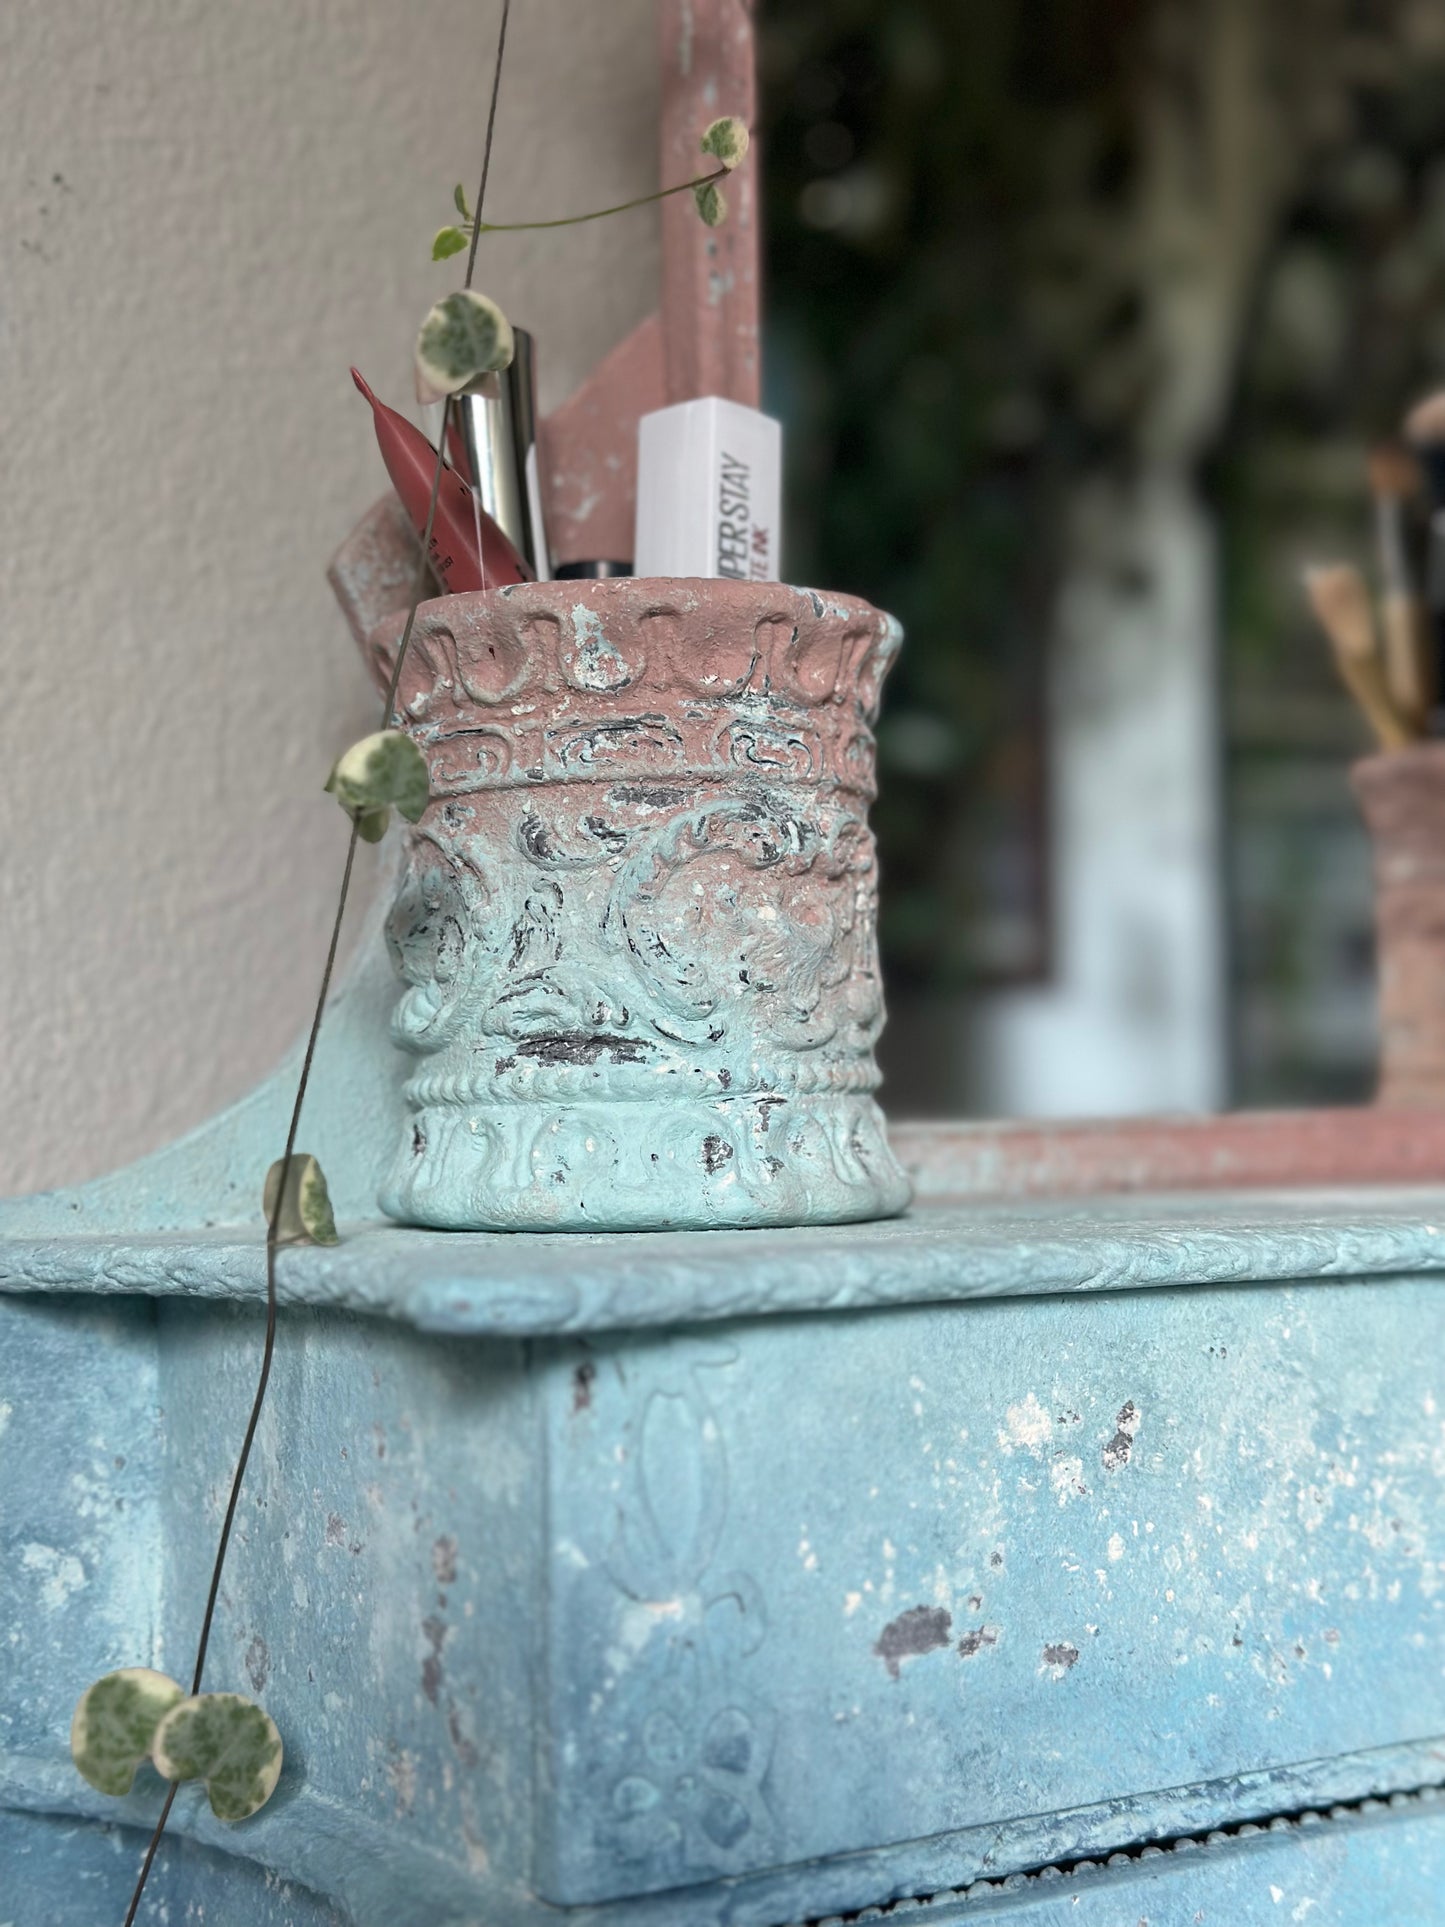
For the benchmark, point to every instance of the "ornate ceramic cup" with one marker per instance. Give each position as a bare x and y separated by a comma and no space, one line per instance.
637,923
1402,799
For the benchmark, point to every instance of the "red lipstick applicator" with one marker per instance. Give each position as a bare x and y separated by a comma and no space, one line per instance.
456,561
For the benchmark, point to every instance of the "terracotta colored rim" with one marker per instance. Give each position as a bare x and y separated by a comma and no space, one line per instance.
1248,1149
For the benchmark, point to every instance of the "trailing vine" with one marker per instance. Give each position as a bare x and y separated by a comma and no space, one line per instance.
727,139
136,1714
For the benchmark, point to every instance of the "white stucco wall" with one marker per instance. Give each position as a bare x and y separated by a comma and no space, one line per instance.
208,212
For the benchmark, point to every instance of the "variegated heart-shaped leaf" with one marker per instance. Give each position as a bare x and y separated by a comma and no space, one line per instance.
306,1216
114,1725
711,203
227,1741
727,139
381,770
464,335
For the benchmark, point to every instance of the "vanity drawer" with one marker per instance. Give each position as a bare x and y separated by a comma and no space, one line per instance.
981,1586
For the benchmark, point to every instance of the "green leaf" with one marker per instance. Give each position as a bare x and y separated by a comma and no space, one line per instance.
449,240
227,1741
371,825
378,771
710,203
459,198
464,336
728,140
114,1725
306,1215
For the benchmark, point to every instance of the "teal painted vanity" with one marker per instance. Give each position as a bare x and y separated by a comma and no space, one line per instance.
1054,1559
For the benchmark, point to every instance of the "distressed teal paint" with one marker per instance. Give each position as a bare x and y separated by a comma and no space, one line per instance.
1013,1558
78,1873
493,1285
1349,1868
759,1617
737,1579
637,925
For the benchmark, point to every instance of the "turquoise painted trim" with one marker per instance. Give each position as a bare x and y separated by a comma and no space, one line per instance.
587,1507
1356,1868
362,1867
528,1464
496,1284
80,1872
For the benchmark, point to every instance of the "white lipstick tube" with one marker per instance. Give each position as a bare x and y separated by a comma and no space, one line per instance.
709,492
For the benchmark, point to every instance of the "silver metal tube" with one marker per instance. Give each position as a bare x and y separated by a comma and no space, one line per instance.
495,448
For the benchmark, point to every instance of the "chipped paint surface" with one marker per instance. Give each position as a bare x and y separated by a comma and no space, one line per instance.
1352,1867
764,1680
381,1605
921,1629
1253,1588
718,1525
57,1574
1206,1524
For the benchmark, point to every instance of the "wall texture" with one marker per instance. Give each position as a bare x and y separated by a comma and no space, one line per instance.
208,213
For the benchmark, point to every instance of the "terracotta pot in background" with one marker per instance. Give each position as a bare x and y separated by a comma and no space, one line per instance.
1402,798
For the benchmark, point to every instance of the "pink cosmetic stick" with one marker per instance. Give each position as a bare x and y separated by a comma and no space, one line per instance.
411,463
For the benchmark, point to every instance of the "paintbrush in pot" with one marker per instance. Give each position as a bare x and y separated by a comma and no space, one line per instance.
1425,432
1395,480
1341,601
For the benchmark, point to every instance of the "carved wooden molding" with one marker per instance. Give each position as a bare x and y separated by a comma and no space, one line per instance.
704,338
709,275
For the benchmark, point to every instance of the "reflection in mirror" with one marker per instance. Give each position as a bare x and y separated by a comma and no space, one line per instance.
1085,327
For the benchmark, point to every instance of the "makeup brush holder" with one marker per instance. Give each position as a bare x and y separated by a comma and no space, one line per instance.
636,926
1402,798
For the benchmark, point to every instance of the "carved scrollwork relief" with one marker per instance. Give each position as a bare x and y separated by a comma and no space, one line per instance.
692,1794
637,926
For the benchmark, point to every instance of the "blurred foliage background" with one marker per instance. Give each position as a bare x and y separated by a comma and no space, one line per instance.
1026,250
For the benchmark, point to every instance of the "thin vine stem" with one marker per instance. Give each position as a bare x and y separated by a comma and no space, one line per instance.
482,186
272,1242
575,220
155,1841
268,1351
